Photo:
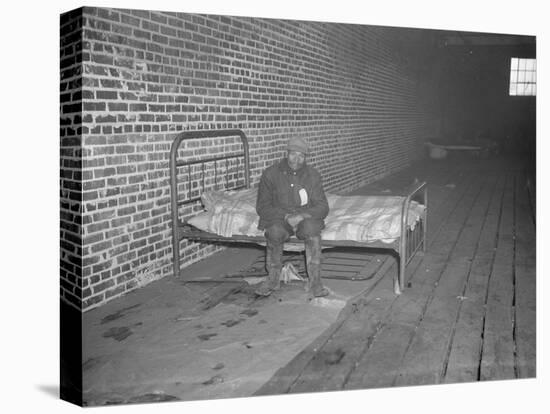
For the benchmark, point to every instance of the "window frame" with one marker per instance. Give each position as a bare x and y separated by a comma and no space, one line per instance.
523,77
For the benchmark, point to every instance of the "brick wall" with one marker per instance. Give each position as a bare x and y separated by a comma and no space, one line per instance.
148,75
71,173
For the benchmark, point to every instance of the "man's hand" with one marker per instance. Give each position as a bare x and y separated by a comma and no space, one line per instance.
294,219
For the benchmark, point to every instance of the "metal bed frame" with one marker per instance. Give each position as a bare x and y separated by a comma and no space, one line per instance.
405,246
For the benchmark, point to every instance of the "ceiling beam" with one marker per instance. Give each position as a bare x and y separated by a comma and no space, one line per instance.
487,40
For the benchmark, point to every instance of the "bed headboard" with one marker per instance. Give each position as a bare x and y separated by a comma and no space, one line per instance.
200,167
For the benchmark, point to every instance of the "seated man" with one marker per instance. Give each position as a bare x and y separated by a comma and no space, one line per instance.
291,200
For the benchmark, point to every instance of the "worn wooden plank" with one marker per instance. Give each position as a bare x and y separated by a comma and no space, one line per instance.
331,365
373,266
464,355
215,295
198,288
334,255
283,380
525,282
426,357
342,375
529,192
346,268
356,260
498,344
379,366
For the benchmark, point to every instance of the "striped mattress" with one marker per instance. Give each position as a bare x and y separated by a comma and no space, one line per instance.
356,218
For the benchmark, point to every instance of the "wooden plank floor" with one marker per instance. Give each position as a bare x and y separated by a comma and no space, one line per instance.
470,312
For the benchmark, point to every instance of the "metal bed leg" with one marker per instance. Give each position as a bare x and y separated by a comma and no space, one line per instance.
396,288
174,214
398,280
424,236
175,251
425,223
401,278
399,283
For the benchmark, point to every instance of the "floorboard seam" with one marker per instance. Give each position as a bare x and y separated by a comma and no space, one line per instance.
514,316
489,281
465,286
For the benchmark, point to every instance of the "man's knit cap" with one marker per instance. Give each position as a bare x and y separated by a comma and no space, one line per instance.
297,144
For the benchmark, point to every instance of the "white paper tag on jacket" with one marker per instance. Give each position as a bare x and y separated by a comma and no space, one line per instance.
303,196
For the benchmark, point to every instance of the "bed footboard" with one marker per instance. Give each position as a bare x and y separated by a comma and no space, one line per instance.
411,240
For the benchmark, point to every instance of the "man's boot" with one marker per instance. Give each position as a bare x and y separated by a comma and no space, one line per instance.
313,261
274,265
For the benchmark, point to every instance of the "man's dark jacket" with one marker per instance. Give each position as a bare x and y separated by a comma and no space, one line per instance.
278,194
